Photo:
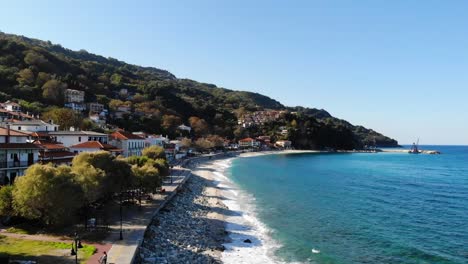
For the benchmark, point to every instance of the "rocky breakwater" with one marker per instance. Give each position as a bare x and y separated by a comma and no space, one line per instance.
189,229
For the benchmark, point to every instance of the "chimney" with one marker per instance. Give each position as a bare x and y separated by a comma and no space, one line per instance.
7,139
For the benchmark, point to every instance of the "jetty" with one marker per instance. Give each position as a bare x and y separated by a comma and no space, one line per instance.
431,152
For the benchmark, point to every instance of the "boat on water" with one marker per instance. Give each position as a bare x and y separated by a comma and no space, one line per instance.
415,149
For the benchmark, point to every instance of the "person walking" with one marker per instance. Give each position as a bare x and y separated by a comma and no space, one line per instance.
103,258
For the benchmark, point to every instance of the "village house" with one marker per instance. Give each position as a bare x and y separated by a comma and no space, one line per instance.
74,99
153,140
70,138
93,146
248,143
16,154
96,108
12,106
99,120
11,116
285,144
184,128
33,126
129,143
50,152
74,96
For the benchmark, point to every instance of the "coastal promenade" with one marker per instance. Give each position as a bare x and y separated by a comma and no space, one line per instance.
136,222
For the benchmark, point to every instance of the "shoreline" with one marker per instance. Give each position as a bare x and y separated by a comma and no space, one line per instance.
210,218
198,224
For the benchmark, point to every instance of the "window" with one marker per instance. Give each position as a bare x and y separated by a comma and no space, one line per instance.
79,139
19,128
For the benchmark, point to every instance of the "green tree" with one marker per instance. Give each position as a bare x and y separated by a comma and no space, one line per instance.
154,152
53,91
204,144
147,177
199,126
6,200
162,166
63,117
25,77
42,78
171,122
35,59
116,79
91,180
47,194
118,173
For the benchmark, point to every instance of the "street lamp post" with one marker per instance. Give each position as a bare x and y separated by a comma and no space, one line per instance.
76,244
171,172
121,235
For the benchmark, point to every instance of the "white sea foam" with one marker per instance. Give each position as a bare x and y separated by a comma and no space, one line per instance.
243,224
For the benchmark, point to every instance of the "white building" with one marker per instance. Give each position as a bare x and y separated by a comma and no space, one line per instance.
76,106
283,144
129,143
74,96
248,143
96,107
33,126
93,146
70,138
184,128
12,106
16,154
157,140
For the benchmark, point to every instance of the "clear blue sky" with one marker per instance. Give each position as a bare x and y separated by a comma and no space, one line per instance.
400,67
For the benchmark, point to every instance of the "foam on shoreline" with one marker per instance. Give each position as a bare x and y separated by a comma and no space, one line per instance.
242,224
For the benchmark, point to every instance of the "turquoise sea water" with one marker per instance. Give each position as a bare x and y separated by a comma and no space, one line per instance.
362,208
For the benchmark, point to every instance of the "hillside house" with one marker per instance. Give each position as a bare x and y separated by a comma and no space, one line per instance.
248,143
70,138
93,146
129,143
33,126
50,152
16,154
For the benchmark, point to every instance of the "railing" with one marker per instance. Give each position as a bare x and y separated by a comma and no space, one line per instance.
14,164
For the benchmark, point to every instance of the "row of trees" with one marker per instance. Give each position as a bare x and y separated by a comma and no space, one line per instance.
54,195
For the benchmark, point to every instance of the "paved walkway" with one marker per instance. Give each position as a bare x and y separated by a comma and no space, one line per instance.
134,225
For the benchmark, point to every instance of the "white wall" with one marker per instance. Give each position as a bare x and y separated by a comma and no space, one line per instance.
34,128
70,140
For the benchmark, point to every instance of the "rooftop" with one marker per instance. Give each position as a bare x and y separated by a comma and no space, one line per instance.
87,133
32,123
124,135
4,132
18,146
95,145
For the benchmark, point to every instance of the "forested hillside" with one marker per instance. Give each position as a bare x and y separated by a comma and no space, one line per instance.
36,73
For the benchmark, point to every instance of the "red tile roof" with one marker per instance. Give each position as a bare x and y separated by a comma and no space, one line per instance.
4,132
96,145
48,145
123,135
40,134
18,146
247,140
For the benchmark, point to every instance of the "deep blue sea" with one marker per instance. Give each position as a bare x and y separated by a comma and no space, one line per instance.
362,208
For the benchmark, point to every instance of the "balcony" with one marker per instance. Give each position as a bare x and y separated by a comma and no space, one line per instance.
14,164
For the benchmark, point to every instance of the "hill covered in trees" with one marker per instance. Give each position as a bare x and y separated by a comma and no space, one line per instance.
36,73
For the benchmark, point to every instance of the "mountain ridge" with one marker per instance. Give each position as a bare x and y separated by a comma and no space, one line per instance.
158,98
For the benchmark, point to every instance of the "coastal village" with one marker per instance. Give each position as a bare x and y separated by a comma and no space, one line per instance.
26,139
